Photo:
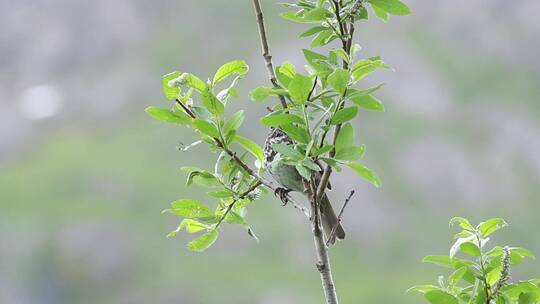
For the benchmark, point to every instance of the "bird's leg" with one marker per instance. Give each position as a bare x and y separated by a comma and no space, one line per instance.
282,193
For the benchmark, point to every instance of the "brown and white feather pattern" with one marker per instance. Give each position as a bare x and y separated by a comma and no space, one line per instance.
276,136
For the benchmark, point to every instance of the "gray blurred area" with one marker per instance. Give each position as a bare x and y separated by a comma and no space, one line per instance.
84,173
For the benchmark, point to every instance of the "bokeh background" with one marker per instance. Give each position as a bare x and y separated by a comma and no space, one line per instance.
84,173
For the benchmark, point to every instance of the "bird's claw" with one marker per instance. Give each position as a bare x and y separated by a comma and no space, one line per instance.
283,194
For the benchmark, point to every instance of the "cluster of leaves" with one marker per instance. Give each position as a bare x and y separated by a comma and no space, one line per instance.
232,186
483,277
316,103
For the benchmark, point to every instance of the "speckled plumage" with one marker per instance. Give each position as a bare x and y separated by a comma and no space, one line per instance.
288,177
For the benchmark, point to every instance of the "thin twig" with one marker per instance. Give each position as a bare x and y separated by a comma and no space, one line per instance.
186,109
241,196
334,229
266,50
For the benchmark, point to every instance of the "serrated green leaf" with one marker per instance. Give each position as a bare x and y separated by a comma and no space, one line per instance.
175,117
236,67
260,93
365,173
204,241
440,260
297,132
323,38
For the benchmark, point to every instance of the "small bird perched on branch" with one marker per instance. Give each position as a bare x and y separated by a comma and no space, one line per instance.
289,178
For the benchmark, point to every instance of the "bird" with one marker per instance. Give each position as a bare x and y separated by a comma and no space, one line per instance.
289,178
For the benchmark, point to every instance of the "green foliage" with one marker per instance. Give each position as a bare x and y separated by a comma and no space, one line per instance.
319,99
482,275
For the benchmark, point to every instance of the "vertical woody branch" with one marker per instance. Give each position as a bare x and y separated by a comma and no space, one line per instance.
266,50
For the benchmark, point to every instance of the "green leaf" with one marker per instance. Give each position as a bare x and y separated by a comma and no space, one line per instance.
352,93
440,260
365,173
206,128
251,147
394,7
204,241
339,80
527,298
220,194
421,288
318,14
345,137
196,83
200,177
297,133
285,73
234,122
488,227
171,92
470,248
211,103
438,296
175,117
238,67
350,153
323,38
287,151
235,218
457,245
300,87
368,102
344,115
494,275
463,223
380,13
316,61
190,208
365,67
260,93
305,172
312,31
192,225
456,276
275,120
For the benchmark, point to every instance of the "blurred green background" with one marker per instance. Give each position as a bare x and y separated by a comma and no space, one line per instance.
84,173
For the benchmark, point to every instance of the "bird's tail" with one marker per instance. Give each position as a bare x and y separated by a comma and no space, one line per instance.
329,220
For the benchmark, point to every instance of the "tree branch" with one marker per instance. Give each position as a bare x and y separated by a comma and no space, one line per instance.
321,250
266,50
